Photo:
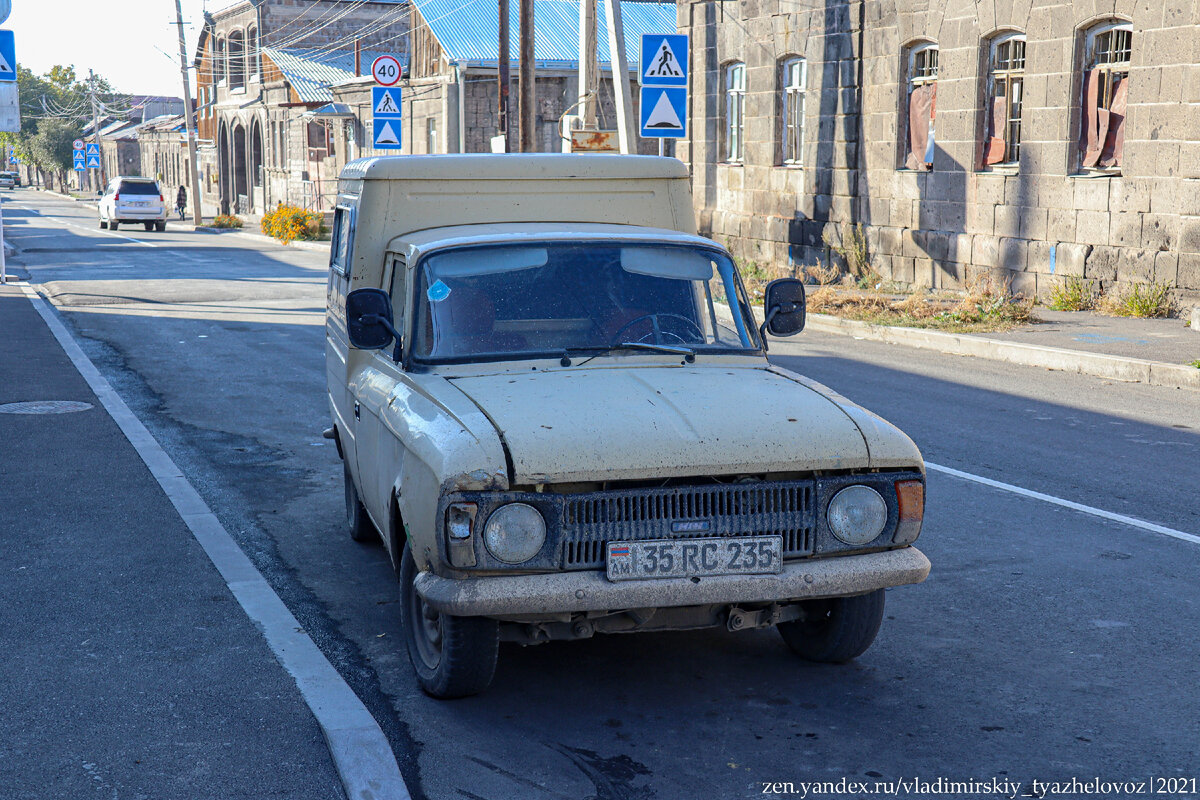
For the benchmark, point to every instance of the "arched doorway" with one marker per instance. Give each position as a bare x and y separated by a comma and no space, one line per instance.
224,189
256,168
239,173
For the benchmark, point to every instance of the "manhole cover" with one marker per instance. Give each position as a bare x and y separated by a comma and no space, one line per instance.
44,407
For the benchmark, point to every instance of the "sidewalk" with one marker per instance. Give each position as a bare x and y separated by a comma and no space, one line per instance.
130,669
1156,351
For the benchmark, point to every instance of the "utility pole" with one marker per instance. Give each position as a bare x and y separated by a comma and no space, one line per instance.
527,77
589,66
96,126
620,73
502,122
189,121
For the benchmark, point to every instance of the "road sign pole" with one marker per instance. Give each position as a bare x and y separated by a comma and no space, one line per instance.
189,111
620,73
96,126
3,260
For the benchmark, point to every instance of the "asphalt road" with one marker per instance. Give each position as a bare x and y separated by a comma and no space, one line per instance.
1047,643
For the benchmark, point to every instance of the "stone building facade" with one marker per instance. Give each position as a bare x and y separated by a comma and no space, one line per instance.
260,67
1028,139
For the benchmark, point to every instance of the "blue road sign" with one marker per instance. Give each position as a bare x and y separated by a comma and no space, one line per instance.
93,162
387,123
386,133
91,149
13,160
664,112
664,59
8,57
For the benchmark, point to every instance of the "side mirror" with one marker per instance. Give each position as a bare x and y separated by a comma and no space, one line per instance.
784,307
369,320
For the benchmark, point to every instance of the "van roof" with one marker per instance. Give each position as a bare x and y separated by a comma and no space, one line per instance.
516,232
513,166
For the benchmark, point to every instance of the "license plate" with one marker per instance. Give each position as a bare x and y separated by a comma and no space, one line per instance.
695,558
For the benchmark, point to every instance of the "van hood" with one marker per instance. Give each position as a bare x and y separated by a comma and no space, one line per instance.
626,423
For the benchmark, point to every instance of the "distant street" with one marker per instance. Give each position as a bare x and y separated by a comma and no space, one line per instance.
1047,642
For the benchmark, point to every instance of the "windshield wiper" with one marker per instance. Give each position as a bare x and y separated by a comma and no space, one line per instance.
689,355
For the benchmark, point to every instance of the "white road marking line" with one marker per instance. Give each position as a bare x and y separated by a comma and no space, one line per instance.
1058,501
110,233
361,753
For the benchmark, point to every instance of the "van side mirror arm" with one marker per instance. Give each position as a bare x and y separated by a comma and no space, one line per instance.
379,319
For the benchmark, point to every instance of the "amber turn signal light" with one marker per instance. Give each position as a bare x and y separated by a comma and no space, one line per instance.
911,497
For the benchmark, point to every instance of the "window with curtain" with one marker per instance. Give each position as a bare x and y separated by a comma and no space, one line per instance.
1005,95
735,113
1107,54
921,106
794,79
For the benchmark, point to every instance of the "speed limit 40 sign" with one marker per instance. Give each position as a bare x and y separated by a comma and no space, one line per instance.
386,70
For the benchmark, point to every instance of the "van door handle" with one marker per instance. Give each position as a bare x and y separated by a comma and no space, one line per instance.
357,411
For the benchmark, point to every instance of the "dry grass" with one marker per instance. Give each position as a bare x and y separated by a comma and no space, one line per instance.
852,248
986,306
1139,300
1073,294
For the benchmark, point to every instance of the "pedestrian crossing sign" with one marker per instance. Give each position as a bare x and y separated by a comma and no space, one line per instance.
92,149
8,57
387,133
385,101
664,112
93,162
664,59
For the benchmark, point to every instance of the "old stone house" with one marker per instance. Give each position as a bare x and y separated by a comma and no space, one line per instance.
260,65
1030,139
450,91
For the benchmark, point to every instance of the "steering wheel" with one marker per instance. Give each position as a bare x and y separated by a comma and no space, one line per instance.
657,331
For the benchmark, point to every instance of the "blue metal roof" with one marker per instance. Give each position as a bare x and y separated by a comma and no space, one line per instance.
311,71
467,29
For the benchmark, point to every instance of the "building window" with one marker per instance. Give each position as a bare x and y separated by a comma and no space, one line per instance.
253,62
794,80
237,60
1005,96
921,106
220,66
735,113
1107,54
431,140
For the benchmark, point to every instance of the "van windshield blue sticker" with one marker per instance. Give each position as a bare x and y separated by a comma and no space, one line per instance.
438,292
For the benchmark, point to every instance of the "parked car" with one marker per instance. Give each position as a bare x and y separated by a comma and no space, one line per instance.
553,404
128,200
9,180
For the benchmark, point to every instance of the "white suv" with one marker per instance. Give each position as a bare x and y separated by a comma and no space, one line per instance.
130,200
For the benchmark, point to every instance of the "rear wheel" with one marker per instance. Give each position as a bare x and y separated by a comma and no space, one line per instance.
103,225
836,629
160,226
452,656
360,525
113,224
148,226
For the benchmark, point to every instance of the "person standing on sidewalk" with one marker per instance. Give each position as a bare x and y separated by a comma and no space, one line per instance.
181,201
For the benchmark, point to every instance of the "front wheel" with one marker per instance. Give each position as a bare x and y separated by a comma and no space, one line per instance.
103,225
452,656
836,629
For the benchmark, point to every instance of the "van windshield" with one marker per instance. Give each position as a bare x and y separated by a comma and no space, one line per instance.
535,300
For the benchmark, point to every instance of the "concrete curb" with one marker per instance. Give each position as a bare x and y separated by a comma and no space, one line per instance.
1158,373
320,247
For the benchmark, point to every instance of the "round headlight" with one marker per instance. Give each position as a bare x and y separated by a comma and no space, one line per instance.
857,514
514,533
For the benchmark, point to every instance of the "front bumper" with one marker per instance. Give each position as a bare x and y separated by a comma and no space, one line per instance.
563,592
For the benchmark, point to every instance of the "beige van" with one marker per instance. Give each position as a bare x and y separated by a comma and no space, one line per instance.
554,407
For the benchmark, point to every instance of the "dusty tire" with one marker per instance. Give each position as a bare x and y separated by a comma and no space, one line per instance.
360,525
452,656
837,630
113,224
148,226
103,225
160,226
